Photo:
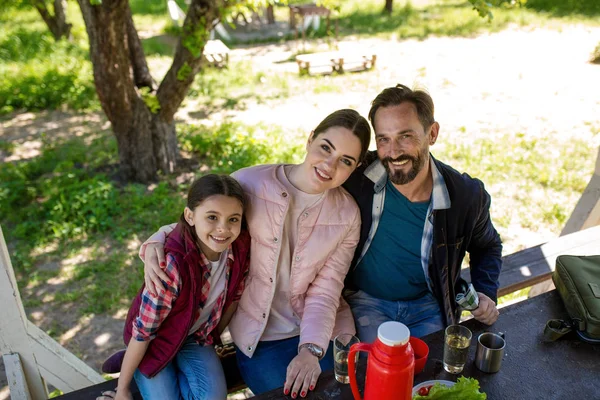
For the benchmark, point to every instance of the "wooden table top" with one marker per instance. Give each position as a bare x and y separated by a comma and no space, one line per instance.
531,368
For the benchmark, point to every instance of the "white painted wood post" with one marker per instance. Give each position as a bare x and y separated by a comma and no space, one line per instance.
587,211
13,331
16,377
39,354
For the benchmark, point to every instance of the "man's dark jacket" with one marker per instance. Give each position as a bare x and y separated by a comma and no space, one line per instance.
465,226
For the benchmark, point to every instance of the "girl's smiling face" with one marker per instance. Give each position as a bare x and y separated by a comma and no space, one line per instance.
217,222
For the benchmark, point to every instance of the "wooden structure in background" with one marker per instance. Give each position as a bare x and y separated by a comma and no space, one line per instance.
31,357
309,10
216,53
331,62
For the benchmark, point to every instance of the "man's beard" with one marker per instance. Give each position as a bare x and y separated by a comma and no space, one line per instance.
399,177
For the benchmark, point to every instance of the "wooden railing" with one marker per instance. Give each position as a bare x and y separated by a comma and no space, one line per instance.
535,265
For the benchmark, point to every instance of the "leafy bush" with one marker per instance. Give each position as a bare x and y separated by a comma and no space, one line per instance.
37,72
232,145
39,87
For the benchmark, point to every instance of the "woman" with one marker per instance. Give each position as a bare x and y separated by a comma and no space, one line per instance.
304,230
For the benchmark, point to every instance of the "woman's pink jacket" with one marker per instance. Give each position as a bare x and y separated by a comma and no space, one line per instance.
328,234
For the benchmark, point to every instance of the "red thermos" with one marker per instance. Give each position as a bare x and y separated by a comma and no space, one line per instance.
390,367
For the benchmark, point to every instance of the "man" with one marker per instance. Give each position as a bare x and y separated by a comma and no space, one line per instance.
419,218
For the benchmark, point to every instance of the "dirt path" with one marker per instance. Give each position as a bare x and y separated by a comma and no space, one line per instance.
537,82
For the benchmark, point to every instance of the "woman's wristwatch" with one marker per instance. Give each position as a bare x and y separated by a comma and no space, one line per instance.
315,350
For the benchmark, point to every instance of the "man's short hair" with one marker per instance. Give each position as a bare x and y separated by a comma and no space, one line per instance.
394,96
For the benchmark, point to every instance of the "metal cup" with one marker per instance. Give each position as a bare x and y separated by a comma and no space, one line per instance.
490,350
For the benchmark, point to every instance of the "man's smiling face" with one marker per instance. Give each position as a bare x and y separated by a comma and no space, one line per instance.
402,142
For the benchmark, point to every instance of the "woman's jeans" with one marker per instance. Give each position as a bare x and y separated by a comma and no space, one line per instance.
267,368
422,316
195,373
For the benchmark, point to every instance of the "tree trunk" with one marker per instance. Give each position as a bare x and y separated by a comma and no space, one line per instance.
147,141
388,6
57,23
270,12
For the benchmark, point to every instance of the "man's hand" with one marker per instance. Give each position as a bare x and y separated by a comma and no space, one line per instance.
302,374
154,261
487,311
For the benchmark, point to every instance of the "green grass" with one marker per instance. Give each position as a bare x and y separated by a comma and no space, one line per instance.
63,208
525,172
566,7
441,18
37,73
240,82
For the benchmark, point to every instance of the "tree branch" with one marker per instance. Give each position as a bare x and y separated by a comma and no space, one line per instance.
141,72
187,62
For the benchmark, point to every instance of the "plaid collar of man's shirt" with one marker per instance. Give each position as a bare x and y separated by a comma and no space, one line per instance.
377,173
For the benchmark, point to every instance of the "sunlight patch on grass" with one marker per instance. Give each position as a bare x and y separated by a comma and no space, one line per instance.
513,297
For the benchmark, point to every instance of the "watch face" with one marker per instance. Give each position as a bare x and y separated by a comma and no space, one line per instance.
316,350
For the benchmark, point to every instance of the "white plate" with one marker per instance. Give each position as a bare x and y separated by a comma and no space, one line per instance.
431,383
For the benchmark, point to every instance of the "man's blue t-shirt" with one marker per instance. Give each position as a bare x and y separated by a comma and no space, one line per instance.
391,269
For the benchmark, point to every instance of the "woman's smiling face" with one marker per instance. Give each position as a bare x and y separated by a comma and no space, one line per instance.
331,156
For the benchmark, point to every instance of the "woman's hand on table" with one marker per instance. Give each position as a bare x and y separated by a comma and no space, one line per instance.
487,311
302,374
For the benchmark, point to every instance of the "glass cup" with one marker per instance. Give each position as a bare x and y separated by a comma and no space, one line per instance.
341,348
456,348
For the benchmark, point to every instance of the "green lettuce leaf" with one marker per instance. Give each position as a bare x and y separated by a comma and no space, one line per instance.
464,389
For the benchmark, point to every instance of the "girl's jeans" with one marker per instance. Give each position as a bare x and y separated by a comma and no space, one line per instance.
195,373
267,368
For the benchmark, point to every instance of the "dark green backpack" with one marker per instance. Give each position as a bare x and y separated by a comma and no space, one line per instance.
577,280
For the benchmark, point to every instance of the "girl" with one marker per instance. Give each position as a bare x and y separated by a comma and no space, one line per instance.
304,230
170,334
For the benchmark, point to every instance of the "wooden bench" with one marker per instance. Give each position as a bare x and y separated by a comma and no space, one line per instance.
232,376
216,53
330,62
536,264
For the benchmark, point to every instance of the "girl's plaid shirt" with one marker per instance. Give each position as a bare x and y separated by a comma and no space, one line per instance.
155,309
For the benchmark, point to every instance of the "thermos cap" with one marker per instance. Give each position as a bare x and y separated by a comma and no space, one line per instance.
393,333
